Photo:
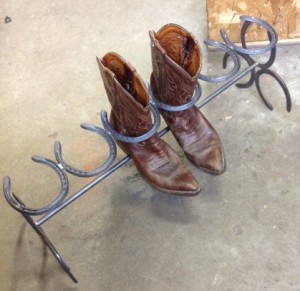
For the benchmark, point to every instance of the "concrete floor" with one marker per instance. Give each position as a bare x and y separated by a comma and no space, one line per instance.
242,231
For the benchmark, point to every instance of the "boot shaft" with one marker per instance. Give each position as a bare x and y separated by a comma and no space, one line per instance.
127,95
157,163
176,60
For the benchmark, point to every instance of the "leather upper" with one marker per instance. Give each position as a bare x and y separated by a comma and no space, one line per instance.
157,163
176,63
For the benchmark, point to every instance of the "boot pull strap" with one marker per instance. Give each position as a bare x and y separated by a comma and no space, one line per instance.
196,97
128,139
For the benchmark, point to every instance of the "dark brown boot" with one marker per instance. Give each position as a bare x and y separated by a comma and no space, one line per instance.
176,61
130,116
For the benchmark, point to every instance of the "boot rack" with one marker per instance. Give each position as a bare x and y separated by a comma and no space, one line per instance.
60,167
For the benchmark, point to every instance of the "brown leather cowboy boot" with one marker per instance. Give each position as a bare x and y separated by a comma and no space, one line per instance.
176,62
130,116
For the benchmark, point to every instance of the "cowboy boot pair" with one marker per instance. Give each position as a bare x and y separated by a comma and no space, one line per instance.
176,60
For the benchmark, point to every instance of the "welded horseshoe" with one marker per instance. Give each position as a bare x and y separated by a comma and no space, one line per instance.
128,139
170,108
250,62
17,205
280,82
50,246
272,36
272,57
80,173
234,57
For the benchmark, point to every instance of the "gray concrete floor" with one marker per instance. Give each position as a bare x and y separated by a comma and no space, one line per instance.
242,231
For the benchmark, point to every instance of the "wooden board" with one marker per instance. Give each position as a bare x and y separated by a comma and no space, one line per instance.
283,15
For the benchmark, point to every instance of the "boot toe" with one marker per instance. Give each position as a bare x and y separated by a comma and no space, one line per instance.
186,185
183,185
211,161
173,177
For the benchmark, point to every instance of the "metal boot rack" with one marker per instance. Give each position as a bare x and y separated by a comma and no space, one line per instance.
255,69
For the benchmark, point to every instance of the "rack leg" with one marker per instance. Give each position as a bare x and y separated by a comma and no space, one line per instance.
50,246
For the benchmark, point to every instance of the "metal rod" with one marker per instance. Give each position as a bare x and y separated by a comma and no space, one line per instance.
82,191
127,158
227,85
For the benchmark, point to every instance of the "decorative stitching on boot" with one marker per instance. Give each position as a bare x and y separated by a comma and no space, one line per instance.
128,139
196,97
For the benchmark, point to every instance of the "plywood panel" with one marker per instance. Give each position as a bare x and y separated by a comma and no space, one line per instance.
283,15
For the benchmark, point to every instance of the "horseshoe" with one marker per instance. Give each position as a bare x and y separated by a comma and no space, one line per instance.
272,36
280,82
250,62
128,139
166,107
19,206
271,60
234,57
80,173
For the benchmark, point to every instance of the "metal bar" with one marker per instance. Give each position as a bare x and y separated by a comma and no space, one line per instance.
50,246
82,191
227,85
127,158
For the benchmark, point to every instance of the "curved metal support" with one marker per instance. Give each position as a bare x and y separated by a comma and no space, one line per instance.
236,63
47,242
15,202
166,107
272,36
245,53
279,81
56,254
271,60
255,76
128,139
250,62
80,173
49,245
